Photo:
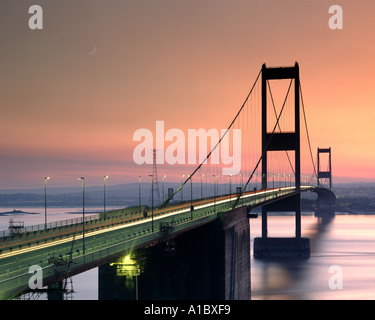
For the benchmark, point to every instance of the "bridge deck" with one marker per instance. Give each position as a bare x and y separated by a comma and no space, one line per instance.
106,238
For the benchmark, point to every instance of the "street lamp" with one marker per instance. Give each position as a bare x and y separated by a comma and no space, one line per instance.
152,202
255,181
230,190
202,175
191,195
105,179
162,178
139,196
241,188
214,192
83,212
45,202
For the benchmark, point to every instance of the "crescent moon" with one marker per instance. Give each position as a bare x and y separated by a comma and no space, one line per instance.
93,51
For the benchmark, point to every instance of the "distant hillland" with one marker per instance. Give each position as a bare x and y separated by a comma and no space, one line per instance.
351,196
117,195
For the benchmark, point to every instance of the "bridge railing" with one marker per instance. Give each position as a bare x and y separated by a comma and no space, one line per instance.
15,279
112,214
51,225
17,276
259,196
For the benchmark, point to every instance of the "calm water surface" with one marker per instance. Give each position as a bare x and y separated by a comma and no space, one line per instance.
346,242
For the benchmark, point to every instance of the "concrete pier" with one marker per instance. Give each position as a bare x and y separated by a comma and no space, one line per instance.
268,248
211,262
236,228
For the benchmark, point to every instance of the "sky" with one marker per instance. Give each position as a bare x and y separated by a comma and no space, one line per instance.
73,94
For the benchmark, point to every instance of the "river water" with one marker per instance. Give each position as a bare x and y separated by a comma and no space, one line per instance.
341,266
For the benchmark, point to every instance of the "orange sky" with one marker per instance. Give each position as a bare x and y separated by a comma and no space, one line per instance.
68,113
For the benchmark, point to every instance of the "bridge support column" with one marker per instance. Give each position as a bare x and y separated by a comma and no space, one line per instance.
270,248
210,262
55,291
297,247
236,228
114,287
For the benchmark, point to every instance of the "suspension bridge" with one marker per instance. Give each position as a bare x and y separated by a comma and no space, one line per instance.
272,178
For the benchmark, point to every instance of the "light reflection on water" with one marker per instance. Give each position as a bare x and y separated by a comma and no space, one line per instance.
347,241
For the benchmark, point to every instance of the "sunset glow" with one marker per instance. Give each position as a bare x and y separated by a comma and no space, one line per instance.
69,110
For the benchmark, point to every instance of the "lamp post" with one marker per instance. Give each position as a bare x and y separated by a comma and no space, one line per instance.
230,190
45,202
191,196
182,189
152,202
105,179
83,212
214,192
202,175
264,185
162,180
241,188
285,180
139,193
255,181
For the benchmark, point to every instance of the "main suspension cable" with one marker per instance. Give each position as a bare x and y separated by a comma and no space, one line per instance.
209,154
307,132
264,150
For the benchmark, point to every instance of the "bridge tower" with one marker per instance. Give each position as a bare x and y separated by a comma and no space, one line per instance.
325,174
278,141
325,207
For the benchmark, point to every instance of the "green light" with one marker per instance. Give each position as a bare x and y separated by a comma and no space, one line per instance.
126,266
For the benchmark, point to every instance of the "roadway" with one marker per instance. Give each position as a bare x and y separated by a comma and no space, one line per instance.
108,237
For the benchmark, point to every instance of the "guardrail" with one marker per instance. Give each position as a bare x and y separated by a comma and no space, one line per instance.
15,279
51,225
70,222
